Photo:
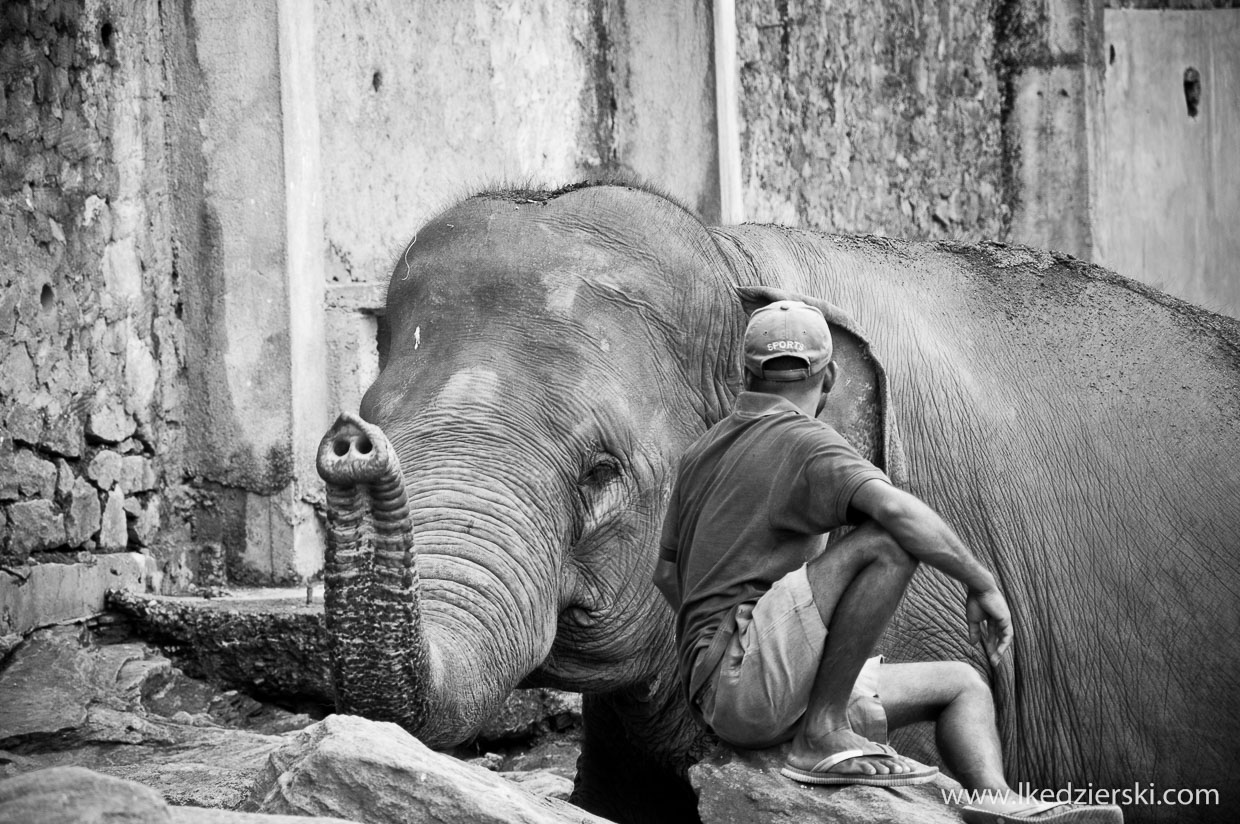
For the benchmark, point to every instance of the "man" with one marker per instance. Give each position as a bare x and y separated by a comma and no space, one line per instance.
775,632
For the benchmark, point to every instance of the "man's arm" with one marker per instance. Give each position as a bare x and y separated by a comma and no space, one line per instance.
920,531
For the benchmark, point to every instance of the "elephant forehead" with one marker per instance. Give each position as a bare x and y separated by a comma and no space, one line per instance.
474,385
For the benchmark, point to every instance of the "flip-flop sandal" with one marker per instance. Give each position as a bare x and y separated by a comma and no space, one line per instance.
819,774
1044,812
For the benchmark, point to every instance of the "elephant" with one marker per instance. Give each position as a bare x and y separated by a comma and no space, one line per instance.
495,505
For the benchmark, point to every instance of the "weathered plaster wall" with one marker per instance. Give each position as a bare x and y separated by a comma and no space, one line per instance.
872,117
424,102
234,235
1168,187
92,351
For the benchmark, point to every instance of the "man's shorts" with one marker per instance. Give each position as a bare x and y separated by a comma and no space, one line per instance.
761,687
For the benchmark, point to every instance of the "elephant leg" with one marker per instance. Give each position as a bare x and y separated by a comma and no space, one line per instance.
623,781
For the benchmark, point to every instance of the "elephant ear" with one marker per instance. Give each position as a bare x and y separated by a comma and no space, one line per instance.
859,405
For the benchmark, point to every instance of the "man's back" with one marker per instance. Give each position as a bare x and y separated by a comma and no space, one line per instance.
753,500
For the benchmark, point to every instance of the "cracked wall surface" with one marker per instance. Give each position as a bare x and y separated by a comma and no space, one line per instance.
876,118
91,379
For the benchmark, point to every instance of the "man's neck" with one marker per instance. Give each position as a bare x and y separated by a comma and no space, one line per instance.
804,400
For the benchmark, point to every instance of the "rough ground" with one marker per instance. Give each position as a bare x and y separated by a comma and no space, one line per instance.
93,696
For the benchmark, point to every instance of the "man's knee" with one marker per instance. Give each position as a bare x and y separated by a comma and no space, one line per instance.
922,691
970,686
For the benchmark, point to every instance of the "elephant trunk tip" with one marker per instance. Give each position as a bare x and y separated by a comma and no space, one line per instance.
355,452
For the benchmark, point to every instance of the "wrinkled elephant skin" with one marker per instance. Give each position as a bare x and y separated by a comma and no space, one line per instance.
553,353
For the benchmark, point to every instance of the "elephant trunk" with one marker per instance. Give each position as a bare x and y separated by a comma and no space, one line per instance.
381,661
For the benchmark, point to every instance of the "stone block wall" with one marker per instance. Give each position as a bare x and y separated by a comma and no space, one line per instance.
90,334
879,118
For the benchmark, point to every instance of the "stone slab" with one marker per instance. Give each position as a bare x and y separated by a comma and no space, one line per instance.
43,594
375,771
746,787
71,795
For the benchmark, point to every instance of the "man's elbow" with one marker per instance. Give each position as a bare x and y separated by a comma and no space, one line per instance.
890,507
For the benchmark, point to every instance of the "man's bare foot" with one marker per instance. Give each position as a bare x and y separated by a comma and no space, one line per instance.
808,752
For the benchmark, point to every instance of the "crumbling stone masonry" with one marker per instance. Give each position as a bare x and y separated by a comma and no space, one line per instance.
90,333
873,117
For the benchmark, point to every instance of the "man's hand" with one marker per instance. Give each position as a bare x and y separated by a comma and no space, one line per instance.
990,622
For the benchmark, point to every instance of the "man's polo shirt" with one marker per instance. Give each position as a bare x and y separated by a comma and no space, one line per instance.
753,500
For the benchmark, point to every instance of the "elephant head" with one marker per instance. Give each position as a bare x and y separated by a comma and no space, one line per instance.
495,509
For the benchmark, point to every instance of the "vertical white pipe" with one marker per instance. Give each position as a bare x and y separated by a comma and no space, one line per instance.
727,114
305,251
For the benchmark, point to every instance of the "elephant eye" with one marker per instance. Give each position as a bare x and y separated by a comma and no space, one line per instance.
603,469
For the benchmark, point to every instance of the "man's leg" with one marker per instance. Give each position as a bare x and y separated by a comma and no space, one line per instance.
857,584
952,694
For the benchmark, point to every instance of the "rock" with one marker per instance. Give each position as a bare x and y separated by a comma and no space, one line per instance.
111,424
143,519
8,472
70,795
36,525
273,646
82,517
8,643
137,474
75,795
196,815
105,469
64,478
529,712
35,477
376,772
64,701
555,753
45,594
542,783
17,371
62,435
197,764
114,529
492,761
25,424
46,688
745,787
141,377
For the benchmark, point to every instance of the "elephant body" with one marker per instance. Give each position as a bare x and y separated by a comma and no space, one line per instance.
552,353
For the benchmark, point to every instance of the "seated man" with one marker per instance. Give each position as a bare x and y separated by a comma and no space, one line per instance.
774,630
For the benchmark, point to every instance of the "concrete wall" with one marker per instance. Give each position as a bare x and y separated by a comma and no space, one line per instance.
1168,203
424,102
92,395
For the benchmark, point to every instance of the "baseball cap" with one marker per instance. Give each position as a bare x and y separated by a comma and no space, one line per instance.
787,329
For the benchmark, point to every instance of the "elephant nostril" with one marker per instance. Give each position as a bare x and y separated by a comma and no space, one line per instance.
364,445
341,447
